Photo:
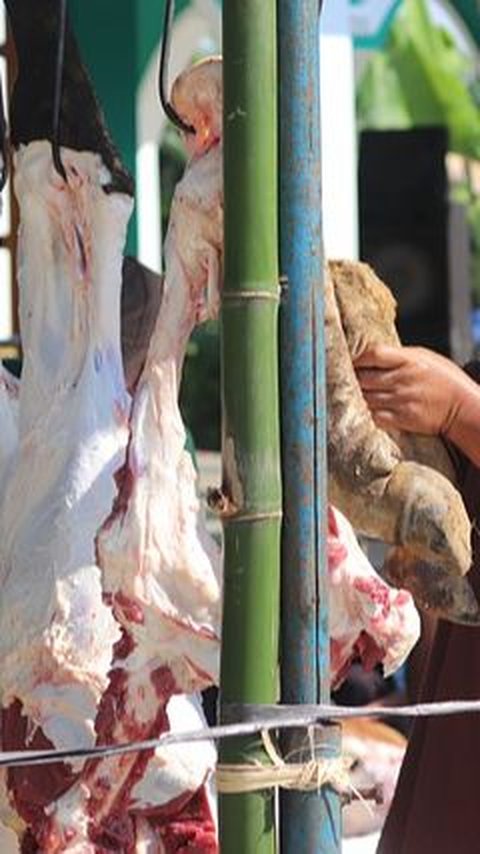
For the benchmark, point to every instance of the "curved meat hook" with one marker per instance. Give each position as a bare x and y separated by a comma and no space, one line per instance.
57,97
163,72
3,142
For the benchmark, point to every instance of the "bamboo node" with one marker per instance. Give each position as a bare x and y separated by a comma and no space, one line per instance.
245,296
258,516
221,503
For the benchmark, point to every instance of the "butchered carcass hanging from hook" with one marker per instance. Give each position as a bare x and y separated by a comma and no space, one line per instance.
66,614
54,99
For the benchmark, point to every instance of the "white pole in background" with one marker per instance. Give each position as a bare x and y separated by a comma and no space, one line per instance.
196,30
339,142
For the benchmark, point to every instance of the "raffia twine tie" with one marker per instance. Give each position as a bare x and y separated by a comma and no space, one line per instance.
307,776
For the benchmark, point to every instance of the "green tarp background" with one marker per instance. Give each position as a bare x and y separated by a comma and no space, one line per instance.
117,38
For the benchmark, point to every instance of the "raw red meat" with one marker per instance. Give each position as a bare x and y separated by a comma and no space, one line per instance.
56,632
369,620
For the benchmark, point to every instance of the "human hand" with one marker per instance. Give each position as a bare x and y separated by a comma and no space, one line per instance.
413,389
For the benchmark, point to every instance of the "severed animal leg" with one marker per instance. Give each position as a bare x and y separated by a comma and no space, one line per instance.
384,494
413,505
367,312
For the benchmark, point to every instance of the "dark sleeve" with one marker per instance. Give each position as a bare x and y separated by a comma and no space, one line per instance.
464,468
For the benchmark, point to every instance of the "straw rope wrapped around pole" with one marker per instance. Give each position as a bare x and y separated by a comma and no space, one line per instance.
251,464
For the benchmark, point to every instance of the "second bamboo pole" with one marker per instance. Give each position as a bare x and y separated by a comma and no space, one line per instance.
250,443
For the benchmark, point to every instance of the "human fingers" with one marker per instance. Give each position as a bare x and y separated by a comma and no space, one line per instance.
380,356
393,415
373,379
386,419
380,400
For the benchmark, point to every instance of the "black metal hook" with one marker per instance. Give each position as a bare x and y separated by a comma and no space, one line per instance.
3,142
57,98
163,73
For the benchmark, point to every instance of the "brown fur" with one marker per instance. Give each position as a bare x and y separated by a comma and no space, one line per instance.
397,488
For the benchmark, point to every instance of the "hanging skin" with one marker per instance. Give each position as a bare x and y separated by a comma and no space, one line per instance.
161,571
59,688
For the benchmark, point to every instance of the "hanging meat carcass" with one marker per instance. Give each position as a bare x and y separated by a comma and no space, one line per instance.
56,632
161,571
68,609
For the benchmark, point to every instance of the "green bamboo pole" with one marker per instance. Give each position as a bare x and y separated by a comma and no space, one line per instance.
251,455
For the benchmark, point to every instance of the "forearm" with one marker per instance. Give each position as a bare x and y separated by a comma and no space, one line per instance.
464,430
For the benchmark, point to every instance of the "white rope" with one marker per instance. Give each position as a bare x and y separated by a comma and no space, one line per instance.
308,776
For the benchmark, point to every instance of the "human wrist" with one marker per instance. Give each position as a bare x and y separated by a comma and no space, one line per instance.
462,425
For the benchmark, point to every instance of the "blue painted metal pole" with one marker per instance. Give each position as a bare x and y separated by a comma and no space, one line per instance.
309,822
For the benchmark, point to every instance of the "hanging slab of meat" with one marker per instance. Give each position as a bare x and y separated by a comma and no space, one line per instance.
369,620
83,668
161,571
396,488
56,632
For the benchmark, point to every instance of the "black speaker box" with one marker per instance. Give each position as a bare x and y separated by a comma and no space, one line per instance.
404,232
